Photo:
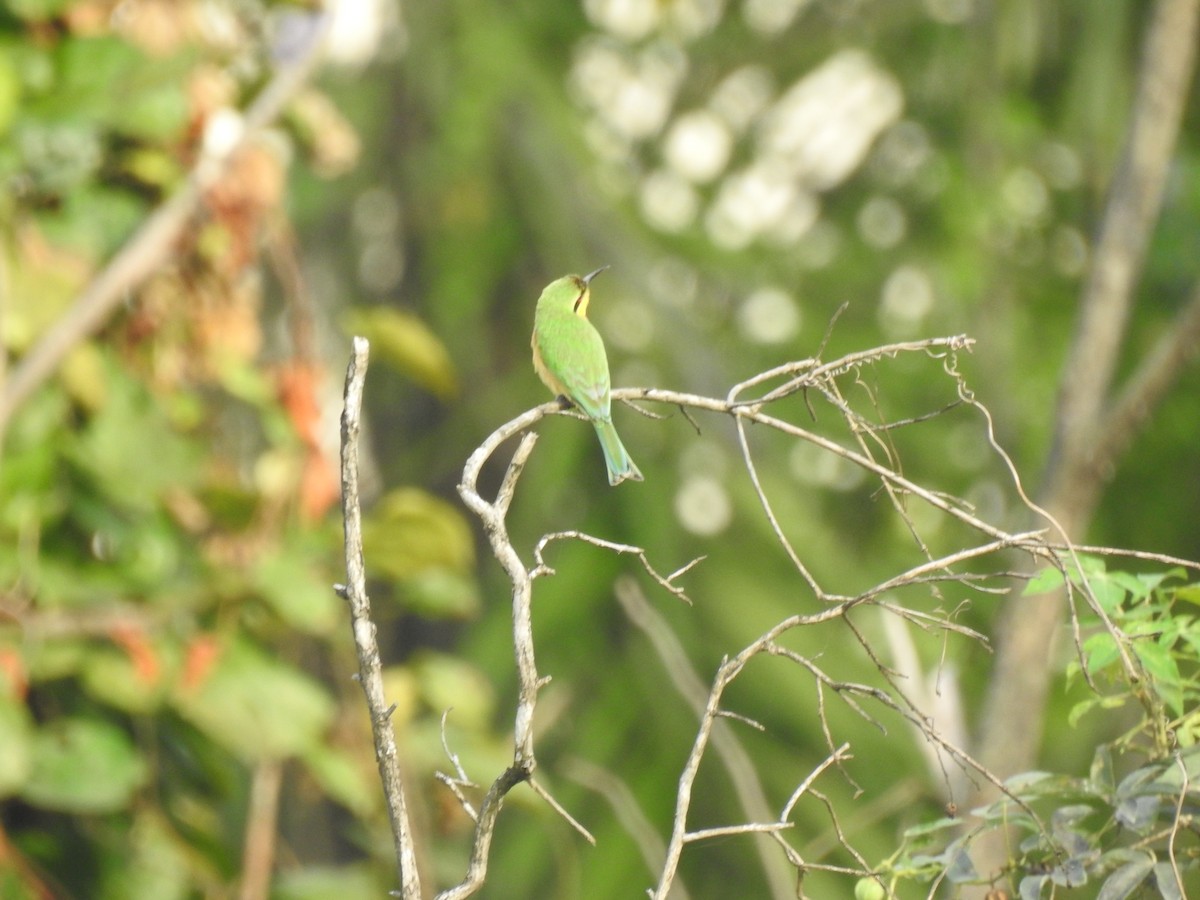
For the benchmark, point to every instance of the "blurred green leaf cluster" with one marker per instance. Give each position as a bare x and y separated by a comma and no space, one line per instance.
1123,826
1073,833
88,125
168,625
1154,615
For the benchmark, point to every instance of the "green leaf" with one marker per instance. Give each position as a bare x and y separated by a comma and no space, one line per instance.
292,584
111,676
257,706
1065,816
1153,580
113,448
1108,591
957,862
16,737
93,219
59,153
83,765
344,779
1138,813
152,166
1188,730
1080,709
1136,587
442,594
411,531
110,81
155,865
1167,778
39,292
17,885
37,10
1161,665
57,659
156,111
1100,651
1007,812
329,883
1191,637
1134,784
1041,784
406,343
10,92
446,682
933,827
1171,628
1031,886
1043,582
1166,879
1189,593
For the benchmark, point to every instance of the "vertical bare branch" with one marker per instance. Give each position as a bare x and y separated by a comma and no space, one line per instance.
489,811
370,669
258,854
492,515
687,780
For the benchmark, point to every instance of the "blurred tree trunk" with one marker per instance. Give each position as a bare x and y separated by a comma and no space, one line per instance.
1093,424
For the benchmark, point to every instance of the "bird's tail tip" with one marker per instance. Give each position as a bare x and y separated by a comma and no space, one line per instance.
629,474
616,457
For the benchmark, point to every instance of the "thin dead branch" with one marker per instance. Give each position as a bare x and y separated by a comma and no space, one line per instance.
370,668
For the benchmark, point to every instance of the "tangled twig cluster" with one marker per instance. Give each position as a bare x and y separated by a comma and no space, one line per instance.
990,565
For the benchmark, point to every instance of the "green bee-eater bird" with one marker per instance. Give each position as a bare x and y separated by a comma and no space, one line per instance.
569,357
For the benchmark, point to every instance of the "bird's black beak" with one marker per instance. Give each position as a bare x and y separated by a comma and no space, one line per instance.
587,279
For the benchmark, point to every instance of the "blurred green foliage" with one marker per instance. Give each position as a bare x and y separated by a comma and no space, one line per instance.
166,540
1122,825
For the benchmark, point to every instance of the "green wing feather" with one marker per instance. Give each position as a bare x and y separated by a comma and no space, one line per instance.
572,351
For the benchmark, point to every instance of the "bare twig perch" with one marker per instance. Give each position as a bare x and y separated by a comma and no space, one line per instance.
370,670
492,515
